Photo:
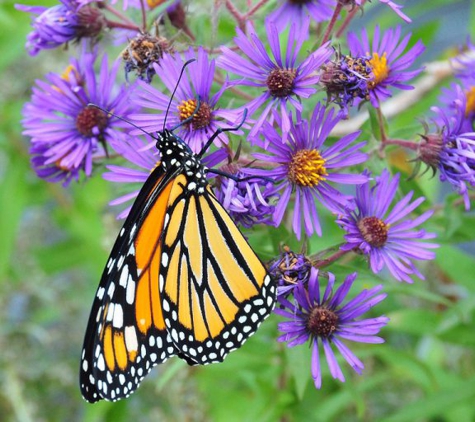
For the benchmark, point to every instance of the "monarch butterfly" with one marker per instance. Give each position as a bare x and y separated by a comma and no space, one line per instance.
181,280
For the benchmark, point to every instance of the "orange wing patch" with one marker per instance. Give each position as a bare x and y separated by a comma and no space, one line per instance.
147,254
214,284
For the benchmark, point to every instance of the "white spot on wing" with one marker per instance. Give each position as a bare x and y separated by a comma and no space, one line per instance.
123,276
131,338
110,312
130,292
101,365
111,289
132,230
118,320
100,293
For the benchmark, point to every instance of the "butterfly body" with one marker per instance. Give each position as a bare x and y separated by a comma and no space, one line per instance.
181,280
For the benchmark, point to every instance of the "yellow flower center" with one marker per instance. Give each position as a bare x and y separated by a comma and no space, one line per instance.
201,119
307,168
186,109
470,107
380,67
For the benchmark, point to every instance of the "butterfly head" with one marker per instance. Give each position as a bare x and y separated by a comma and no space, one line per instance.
177,156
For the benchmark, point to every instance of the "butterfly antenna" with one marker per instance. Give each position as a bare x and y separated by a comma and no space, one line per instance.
174,90
221,130
118,117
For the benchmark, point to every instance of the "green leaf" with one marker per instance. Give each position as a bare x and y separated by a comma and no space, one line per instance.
374,119
437,404
414,321
299,364
458,266
13,197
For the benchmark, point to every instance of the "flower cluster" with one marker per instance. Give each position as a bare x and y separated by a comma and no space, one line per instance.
269,107
69,21
325,320
68,122
383,234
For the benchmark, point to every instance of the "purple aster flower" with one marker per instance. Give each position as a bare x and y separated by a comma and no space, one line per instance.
458,101
347,78
57,25
52,171
452,149
306,167
66,132
387,60
394,6
326,321
282,79
291,11
289,270
195,86
138,153
385,235
248,202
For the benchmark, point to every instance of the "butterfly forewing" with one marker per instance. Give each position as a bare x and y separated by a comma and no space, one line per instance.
126,334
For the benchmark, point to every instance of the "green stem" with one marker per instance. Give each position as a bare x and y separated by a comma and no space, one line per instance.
403,143
113,24
255,9
144,16
120,16
332,22
348,19
331,259
236,14
382,131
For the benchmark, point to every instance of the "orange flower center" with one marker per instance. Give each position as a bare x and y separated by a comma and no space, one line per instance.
202,117
470,107
380,68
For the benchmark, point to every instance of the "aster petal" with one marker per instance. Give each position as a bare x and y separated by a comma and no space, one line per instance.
316,370
282,204
335,369
342,291
351,358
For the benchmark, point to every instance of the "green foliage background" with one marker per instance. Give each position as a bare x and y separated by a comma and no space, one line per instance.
54,243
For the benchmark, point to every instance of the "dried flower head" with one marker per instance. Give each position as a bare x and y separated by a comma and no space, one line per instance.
142,53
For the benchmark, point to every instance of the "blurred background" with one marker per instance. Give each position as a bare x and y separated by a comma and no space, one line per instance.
54,243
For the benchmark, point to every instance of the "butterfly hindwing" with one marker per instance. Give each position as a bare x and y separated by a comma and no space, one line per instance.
126,334
215,290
